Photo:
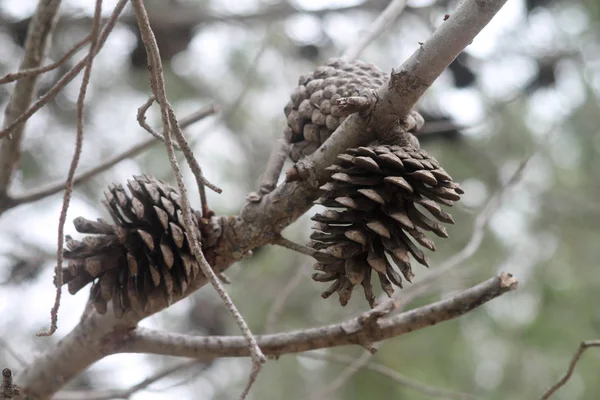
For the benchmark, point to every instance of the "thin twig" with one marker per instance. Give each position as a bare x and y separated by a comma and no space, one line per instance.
170,123
393,374
353,367
67,77
87,73
297,247
201,181
125,393
24,73
141,118
53,188
279,303
384,19
583,346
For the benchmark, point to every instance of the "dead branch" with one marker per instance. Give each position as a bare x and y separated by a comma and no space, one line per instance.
15,76
87,73
583,346
170,125
17,121
352,331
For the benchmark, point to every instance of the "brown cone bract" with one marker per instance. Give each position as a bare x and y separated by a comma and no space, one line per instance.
387,197
144,254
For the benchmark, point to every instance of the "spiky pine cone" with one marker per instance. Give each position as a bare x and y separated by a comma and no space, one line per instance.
313,113
144,254
385,193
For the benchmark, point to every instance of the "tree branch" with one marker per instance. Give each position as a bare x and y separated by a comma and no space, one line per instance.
353,331
583,346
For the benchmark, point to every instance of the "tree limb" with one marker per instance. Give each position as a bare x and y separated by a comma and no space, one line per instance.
583,346
143,340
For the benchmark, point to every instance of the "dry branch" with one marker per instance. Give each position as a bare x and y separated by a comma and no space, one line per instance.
259,223
583,346
170,126
353,331
87,73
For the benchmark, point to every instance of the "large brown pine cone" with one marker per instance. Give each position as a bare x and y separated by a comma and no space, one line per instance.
144,254
386,193
313,113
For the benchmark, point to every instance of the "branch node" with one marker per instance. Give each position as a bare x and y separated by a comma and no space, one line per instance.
355,104
371,316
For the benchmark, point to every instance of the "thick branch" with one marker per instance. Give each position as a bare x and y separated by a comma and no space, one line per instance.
353,331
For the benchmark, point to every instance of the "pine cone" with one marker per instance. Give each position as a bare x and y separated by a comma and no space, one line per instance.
144,254
313,114
384,193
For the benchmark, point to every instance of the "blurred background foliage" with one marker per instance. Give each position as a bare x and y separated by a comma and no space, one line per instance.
528,86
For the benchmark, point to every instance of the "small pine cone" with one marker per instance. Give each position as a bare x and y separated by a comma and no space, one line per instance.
388,195
313,113
144,254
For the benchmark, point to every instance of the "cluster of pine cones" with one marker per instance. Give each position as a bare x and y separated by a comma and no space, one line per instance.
380,199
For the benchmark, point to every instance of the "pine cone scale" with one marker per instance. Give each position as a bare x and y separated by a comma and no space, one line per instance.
389,196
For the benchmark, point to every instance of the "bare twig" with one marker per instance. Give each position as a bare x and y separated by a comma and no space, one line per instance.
430,391
87,73
279,303
170,123
583,346
353,367
53,188
384,19
25,73
297,247
352,331
38,39
141,118
126,393
8,390
66,78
